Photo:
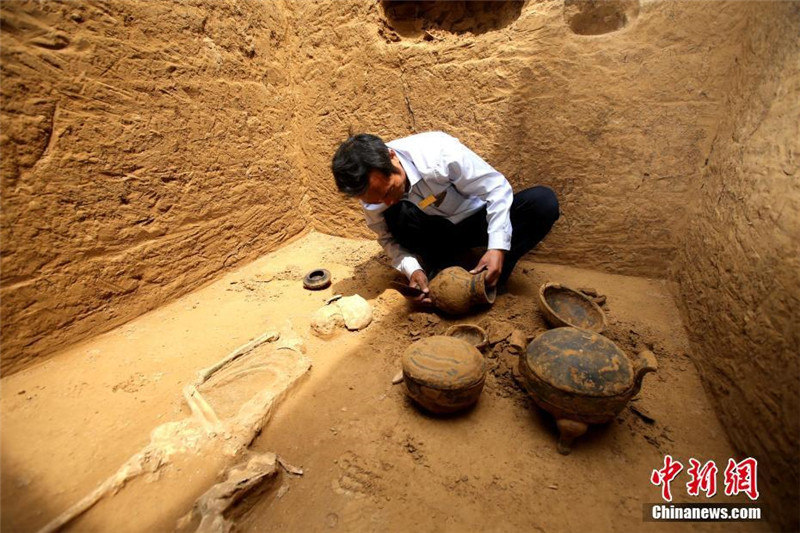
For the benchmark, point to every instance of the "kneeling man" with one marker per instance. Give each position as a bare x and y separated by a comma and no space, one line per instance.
429,198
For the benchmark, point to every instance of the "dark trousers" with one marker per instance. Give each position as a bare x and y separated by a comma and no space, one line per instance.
439,242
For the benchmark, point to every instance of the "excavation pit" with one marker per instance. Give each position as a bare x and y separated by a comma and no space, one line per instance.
359,439
153,151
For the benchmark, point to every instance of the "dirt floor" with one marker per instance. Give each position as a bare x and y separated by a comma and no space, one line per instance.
372,461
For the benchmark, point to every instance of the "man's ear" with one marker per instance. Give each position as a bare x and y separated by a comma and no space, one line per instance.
393,157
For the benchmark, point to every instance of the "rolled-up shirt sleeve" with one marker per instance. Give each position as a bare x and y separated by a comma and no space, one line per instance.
401,259
472,176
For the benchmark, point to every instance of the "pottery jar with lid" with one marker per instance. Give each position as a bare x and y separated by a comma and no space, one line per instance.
443,374
581,378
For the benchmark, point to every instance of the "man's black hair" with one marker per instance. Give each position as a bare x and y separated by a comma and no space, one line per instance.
356,158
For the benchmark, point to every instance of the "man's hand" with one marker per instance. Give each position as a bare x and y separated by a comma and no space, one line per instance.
420,281
492,263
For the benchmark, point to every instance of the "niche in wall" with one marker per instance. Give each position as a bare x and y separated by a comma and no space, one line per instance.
596,17
412,18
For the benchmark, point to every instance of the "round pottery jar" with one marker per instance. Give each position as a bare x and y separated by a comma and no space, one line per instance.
443,374
456,291
581,378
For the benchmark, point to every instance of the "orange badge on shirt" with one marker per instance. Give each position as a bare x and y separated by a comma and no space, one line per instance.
438,199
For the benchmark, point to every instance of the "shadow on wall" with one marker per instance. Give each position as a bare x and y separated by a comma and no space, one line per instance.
412,18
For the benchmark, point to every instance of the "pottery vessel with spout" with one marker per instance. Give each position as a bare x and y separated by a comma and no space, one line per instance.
456,291
581,378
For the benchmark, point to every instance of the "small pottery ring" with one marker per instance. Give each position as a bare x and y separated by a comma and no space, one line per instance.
317,279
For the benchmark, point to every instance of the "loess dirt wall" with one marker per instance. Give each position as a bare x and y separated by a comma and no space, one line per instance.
146,146
739,265
617,119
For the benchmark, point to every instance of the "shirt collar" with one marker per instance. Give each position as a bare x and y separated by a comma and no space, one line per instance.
412,174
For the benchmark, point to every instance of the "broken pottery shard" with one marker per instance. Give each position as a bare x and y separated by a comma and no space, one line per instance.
592,293
498,330
518,341
352,311
325,319
356,311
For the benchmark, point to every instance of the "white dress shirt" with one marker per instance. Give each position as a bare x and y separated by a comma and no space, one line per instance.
438,165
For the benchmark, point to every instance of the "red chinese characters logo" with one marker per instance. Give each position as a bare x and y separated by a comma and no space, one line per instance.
665,476
703,478
741,477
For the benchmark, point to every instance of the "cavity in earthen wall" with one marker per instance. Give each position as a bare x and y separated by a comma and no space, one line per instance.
616,118
738,267
145,148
